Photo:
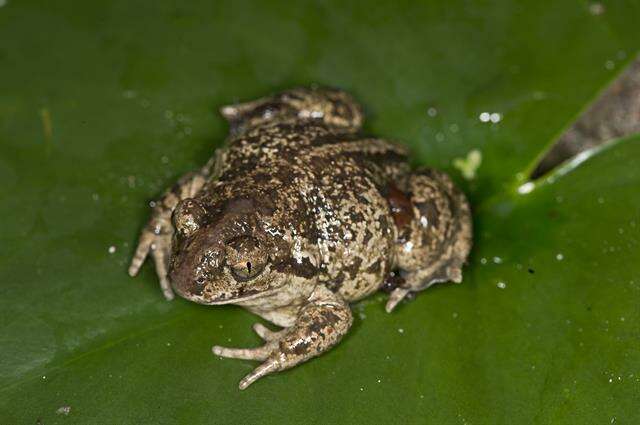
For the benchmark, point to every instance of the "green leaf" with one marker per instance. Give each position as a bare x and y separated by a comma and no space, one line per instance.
103,104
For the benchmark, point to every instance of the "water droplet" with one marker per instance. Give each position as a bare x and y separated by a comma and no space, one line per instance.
439,137
493,117
497,260
432,112
64,410
401,330
559,257
609,65
168,114
112,249
95,197
483,260
454,128
526,188
596,8
501,285
454,315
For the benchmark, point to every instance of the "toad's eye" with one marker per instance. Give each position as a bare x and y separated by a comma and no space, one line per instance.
245,258
245,271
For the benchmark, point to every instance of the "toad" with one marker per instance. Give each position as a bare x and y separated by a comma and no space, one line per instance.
298,216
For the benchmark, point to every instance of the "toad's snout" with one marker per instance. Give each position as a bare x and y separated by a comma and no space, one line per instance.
196,265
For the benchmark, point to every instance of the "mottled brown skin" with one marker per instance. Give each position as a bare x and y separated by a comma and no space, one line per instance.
297,217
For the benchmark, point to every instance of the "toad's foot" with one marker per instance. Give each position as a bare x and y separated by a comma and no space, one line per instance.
156,238
395,297
421,280
267,334
270,338
320,325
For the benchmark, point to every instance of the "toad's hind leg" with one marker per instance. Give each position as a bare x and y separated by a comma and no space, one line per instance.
319,325
435,242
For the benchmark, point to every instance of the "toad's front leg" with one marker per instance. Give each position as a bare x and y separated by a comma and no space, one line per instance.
320,325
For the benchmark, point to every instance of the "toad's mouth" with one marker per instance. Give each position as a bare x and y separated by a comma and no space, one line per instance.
200,299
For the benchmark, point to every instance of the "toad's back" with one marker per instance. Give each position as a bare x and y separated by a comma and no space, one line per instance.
342,183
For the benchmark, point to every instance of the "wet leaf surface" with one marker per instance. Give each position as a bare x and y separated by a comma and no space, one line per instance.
103,104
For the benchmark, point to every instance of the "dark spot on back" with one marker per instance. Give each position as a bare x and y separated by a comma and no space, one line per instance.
367,236
304,268
374,268
430,212
334,285
353,268
400,204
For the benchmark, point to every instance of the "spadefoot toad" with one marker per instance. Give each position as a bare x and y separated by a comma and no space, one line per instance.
298,216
